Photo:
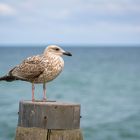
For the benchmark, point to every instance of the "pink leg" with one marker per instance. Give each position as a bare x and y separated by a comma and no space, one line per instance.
44,92
33,88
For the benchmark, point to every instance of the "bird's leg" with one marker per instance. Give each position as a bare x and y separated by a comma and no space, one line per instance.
33,88
44,92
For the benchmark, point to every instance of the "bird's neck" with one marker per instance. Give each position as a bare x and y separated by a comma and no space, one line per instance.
54,57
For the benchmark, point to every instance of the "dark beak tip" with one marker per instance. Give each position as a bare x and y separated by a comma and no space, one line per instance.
67,53
70,54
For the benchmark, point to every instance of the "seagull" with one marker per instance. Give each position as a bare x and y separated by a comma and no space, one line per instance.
39,69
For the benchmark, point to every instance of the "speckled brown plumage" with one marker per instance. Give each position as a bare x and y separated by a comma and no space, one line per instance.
40,68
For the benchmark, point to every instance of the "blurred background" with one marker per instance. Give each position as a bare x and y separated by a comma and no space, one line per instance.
103,75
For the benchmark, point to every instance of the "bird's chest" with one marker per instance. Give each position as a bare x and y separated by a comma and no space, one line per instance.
53,68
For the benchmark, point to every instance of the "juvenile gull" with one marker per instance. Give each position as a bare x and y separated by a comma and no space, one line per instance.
39,69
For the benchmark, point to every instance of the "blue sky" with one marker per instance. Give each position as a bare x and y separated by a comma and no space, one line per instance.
70,22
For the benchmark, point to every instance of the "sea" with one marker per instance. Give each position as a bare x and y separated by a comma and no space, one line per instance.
104,80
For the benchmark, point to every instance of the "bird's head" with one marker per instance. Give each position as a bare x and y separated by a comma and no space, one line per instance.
56,50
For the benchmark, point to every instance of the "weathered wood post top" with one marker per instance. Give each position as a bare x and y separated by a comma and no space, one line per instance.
49,115
37,119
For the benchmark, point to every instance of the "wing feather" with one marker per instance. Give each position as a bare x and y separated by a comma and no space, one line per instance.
29,69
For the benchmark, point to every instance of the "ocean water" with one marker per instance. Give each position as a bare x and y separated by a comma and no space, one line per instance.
105,81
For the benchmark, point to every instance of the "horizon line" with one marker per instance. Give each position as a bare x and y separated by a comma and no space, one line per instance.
71,45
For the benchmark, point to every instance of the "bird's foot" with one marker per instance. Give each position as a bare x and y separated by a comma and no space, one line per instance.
44,99
33,99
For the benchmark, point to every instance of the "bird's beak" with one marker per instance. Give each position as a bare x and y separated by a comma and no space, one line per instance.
67,53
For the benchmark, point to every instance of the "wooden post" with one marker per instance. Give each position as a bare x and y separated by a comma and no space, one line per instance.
48,121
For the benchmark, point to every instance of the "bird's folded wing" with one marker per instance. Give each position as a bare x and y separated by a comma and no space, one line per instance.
30,68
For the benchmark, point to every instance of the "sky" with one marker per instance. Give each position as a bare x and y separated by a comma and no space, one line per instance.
70,22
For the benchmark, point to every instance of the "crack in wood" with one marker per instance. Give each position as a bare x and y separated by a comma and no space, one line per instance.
48,134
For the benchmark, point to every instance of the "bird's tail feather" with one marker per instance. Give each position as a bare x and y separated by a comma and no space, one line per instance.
8,78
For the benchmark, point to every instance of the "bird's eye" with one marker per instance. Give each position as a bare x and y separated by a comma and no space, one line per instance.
57,49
